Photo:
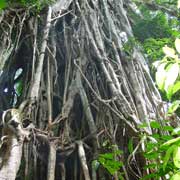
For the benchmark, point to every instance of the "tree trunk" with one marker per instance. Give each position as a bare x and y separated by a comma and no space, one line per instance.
81,86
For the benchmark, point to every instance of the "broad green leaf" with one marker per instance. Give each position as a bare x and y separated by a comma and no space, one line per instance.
169,52
166,137
111,165
130,145
150,146
107,156
171,75
168,128
174,106
155,124
149,176
177,45
161,76
168,155
176,87
151,155
143,125
171,142
169,92
176,156
176,176
155,136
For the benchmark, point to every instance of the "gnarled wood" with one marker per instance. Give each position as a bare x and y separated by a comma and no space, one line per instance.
88,88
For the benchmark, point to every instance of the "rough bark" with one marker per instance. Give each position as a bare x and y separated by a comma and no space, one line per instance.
10,168
82,87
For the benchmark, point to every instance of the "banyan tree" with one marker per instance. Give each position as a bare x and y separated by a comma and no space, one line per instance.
68,86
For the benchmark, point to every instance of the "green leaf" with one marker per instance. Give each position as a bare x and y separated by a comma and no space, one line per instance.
176,156
166,137
174,106
143,125
111,165
149,176
156,135
171,142
171,75
169,52
176,176
155,124
168,128
161,76
130,145
170,92
176,87
151,155
168,155
107,156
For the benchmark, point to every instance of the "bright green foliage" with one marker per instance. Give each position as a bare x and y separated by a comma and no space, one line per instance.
167,75
155,125
174,106
168,156
153,47
176,176
176,156
2,4
155,30
130,146
154,27
39,4
109,160
165,151
167,3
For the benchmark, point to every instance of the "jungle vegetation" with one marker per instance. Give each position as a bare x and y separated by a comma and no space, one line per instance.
89,89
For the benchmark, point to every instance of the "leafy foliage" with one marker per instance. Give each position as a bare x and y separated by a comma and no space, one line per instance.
153,47
2,4
36,4
158,30
154,27
165,151
167,75
109,160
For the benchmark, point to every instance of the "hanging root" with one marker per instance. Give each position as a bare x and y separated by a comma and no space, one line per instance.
82,85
